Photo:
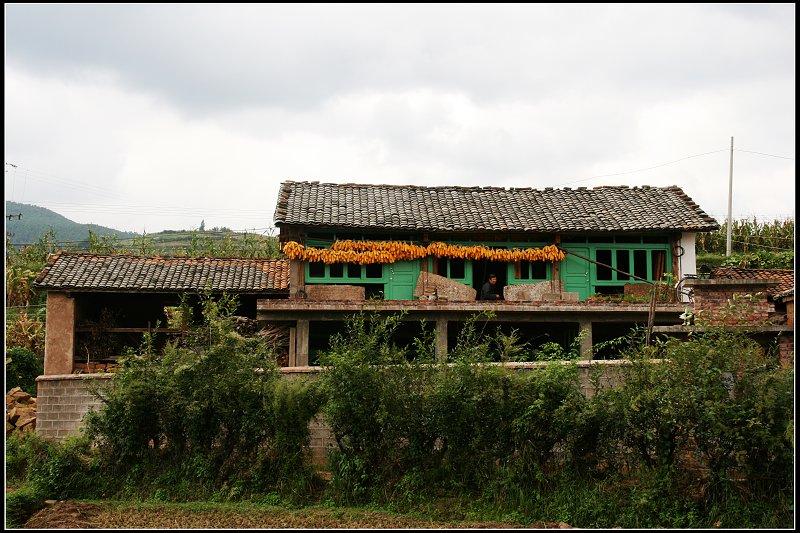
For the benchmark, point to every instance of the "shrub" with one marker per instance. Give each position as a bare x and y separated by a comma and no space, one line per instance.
22,368
716,415
26,330
701,436
404,425
21,504
209,414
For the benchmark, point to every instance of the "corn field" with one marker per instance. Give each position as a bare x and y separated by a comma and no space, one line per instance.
750,236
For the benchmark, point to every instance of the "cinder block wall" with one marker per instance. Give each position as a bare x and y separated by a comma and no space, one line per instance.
63,400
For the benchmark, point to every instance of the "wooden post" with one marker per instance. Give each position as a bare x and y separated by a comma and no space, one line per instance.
556,281
441,339
301,353
585,327
292,347
296,278
59,343
674,242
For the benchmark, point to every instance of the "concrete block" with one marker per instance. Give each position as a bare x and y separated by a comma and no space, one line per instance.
335,292
527,292
434,286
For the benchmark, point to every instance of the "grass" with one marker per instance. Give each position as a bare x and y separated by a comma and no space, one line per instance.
117,514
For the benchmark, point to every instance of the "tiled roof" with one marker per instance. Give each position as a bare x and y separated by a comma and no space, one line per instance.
90,272
785,278
489,208
783,295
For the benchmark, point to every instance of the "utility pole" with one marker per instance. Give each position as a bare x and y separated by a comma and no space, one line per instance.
730,205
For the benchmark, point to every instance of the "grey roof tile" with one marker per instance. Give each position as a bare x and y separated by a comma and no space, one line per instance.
489,208
83,271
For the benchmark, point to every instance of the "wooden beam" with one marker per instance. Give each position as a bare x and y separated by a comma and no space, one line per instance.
292,347
441,339
301,353
585,328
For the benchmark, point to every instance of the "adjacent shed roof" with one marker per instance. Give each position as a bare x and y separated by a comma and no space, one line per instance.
90,272
785,278
600,209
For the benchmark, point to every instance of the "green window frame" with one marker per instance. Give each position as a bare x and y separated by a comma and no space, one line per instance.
435,262
630,253
330,273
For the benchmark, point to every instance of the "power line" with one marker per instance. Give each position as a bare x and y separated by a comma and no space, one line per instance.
764,246
644,169
762,153
130,240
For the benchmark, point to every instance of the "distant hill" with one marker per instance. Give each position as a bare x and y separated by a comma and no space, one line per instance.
37,220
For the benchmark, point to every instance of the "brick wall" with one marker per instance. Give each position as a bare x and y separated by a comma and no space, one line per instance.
731,302
786,350
63,400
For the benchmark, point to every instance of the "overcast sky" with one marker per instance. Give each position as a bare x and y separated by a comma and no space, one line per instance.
153,117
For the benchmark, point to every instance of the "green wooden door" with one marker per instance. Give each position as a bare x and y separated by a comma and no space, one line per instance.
575,272
402,278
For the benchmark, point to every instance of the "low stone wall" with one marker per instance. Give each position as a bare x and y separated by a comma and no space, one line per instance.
65,399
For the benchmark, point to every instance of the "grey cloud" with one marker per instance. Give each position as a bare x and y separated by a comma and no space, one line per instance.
217,57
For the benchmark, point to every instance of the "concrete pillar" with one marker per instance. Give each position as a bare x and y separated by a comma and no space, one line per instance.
59,343
441,339
585,327
301,350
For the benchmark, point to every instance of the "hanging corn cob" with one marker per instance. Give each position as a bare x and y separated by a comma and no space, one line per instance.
385,252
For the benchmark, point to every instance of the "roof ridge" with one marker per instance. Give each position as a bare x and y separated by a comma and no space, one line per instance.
284,187
161,256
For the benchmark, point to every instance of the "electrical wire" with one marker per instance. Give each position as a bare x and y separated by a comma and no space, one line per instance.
762,153
763,245
644,169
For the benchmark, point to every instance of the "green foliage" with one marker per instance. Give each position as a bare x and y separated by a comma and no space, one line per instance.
755,245
22,368
701,437
21,504
407,426
749,236
758,259
719,408
207,416
44,469
699,433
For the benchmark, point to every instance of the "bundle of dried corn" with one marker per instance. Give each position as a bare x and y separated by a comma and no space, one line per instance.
20,411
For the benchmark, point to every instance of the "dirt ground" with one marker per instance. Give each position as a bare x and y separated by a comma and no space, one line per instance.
71,514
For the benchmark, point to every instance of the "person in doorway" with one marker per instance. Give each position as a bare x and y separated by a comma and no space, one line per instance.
490,289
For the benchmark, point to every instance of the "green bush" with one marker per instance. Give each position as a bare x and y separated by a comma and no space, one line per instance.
207,416
22,368
700,437
21,504
404,425
700,433
759,259
56,470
